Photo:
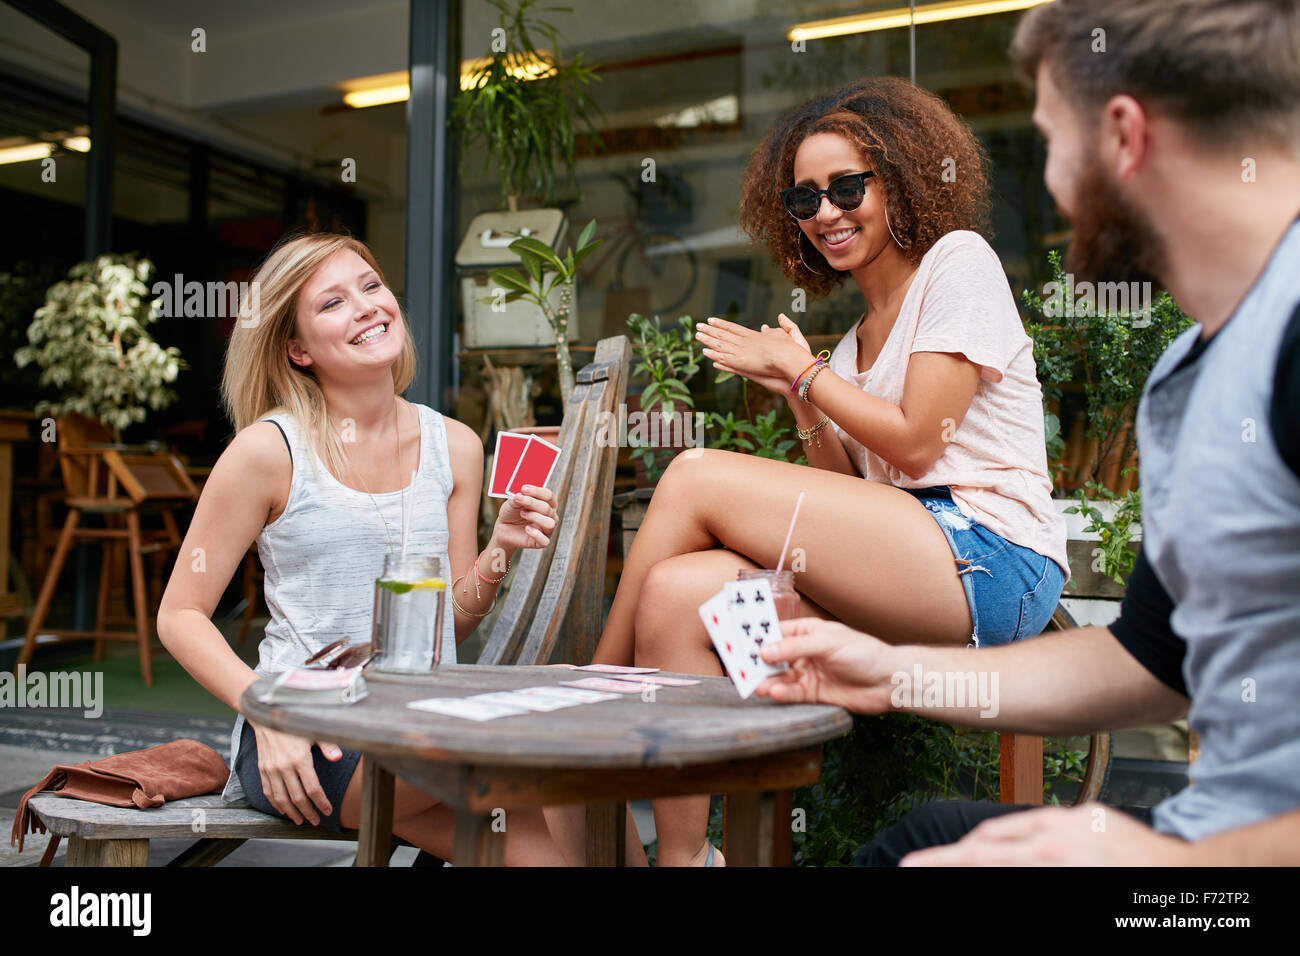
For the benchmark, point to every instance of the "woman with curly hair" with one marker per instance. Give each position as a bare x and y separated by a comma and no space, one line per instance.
931,396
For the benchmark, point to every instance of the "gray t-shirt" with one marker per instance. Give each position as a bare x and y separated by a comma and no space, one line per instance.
1221,531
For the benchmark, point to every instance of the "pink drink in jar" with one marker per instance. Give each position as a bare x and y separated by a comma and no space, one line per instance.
784,596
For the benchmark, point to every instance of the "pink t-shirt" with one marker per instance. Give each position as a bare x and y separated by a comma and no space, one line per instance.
995,463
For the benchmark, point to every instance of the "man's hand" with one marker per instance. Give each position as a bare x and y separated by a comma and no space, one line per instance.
1088,835
830,664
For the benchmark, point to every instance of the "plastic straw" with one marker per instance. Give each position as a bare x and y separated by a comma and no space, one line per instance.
785,547
406,510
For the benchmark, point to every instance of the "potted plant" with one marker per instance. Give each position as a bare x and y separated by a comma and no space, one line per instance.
521,103
1106,354
544,269
669,358
91,342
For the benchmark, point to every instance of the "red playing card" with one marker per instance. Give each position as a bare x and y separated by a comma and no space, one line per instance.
509,452
536,465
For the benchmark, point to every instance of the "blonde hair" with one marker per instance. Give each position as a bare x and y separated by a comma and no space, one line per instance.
259,378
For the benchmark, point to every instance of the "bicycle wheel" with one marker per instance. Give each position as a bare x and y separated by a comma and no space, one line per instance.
1096,774
662,263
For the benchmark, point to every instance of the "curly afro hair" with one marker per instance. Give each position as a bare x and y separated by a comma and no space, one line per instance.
906,135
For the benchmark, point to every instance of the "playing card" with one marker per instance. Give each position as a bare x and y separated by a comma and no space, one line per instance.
665,681
750,621
568,693
527,701
715,613
607,684
535,466
467,708
509,452
614,669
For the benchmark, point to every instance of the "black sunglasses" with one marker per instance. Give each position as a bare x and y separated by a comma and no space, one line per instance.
846,192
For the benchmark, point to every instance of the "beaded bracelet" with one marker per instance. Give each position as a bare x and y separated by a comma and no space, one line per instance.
478,592
807,383
462,610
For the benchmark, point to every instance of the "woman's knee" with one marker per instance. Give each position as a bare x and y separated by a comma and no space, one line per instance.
660,601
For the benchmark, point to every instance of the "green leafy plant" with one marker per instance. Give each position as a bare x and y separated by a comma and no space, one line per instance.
1110,353
770,438
732,434
669,358
891,764
522,101
1116,534
543,270
91,342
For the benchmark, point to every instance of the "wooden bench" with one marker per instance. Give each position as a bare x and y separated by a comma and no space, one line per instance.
553,610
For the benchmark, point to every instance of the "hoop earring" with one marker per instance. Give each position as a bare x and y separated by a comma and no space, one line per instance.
891,228
805,264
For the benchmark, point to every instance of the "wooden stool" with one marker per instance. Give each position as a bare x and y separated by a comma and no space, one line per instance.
115,482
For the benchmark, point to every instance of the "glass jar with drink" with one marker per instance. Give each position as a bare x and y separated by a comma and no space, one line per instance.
406,633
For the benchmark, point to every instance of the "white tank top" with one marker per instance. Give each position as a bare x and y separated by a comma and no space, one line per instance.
323,553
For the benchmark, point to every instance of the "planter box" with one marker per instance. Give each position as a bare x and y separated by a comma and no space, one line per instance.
1090,596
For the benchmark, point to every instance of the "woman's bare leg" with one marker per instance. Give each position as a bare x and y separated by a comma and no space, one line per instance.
568,828
870,554
670,636
420,820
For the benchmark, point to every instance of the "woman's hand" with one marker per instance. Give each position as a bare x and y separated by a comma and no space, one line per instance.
793,331
526,520
288,773
771,357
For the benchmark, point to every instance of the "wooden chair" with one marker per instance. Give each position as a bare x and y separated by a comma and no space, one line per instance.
116,483
555,605
1021,755
552,610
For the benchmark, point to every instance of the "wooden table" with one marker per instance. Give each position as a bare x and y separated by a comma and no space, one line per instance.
687,740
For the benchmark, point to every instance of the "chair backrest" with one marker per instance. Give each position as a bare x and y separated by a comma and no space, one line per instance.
155,476
78,463
555,605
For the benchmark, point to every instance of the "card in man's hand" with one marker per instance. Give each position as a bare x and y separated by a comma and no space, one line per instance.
740,619
520,460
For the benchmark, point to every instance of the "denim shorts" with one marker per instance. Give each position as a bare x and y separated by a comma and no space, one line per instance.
1012,591
334,777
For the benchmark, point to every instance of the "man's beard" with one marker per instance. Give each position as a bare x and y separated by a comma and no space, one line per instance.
1114,240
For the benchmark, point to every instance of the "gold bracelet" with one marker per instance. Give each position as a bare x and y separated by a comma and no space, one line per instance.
462,610
808,434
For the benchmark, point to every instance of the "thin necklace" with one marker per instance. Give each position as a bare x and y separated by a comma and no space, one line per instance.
397,447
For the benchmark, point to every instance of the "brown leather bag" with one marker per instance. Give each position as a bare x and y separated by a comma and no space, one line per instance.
141,779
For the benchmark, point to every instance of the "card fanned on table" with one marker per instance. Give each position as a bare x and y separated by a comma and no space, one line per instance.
510,703
740,619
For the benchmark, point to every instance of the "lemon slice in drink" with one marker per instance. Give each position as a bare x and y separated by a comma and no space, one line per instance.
401,587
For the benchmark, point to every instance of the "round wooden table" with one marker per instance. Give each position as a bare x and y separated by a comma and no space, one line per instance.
665,742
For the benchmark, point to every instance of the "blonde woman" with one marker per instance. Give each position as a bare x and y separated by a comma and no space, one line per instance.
324,450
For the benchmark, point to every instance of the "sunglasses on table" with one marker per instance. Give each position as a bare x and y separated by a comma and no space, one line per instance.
845,192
